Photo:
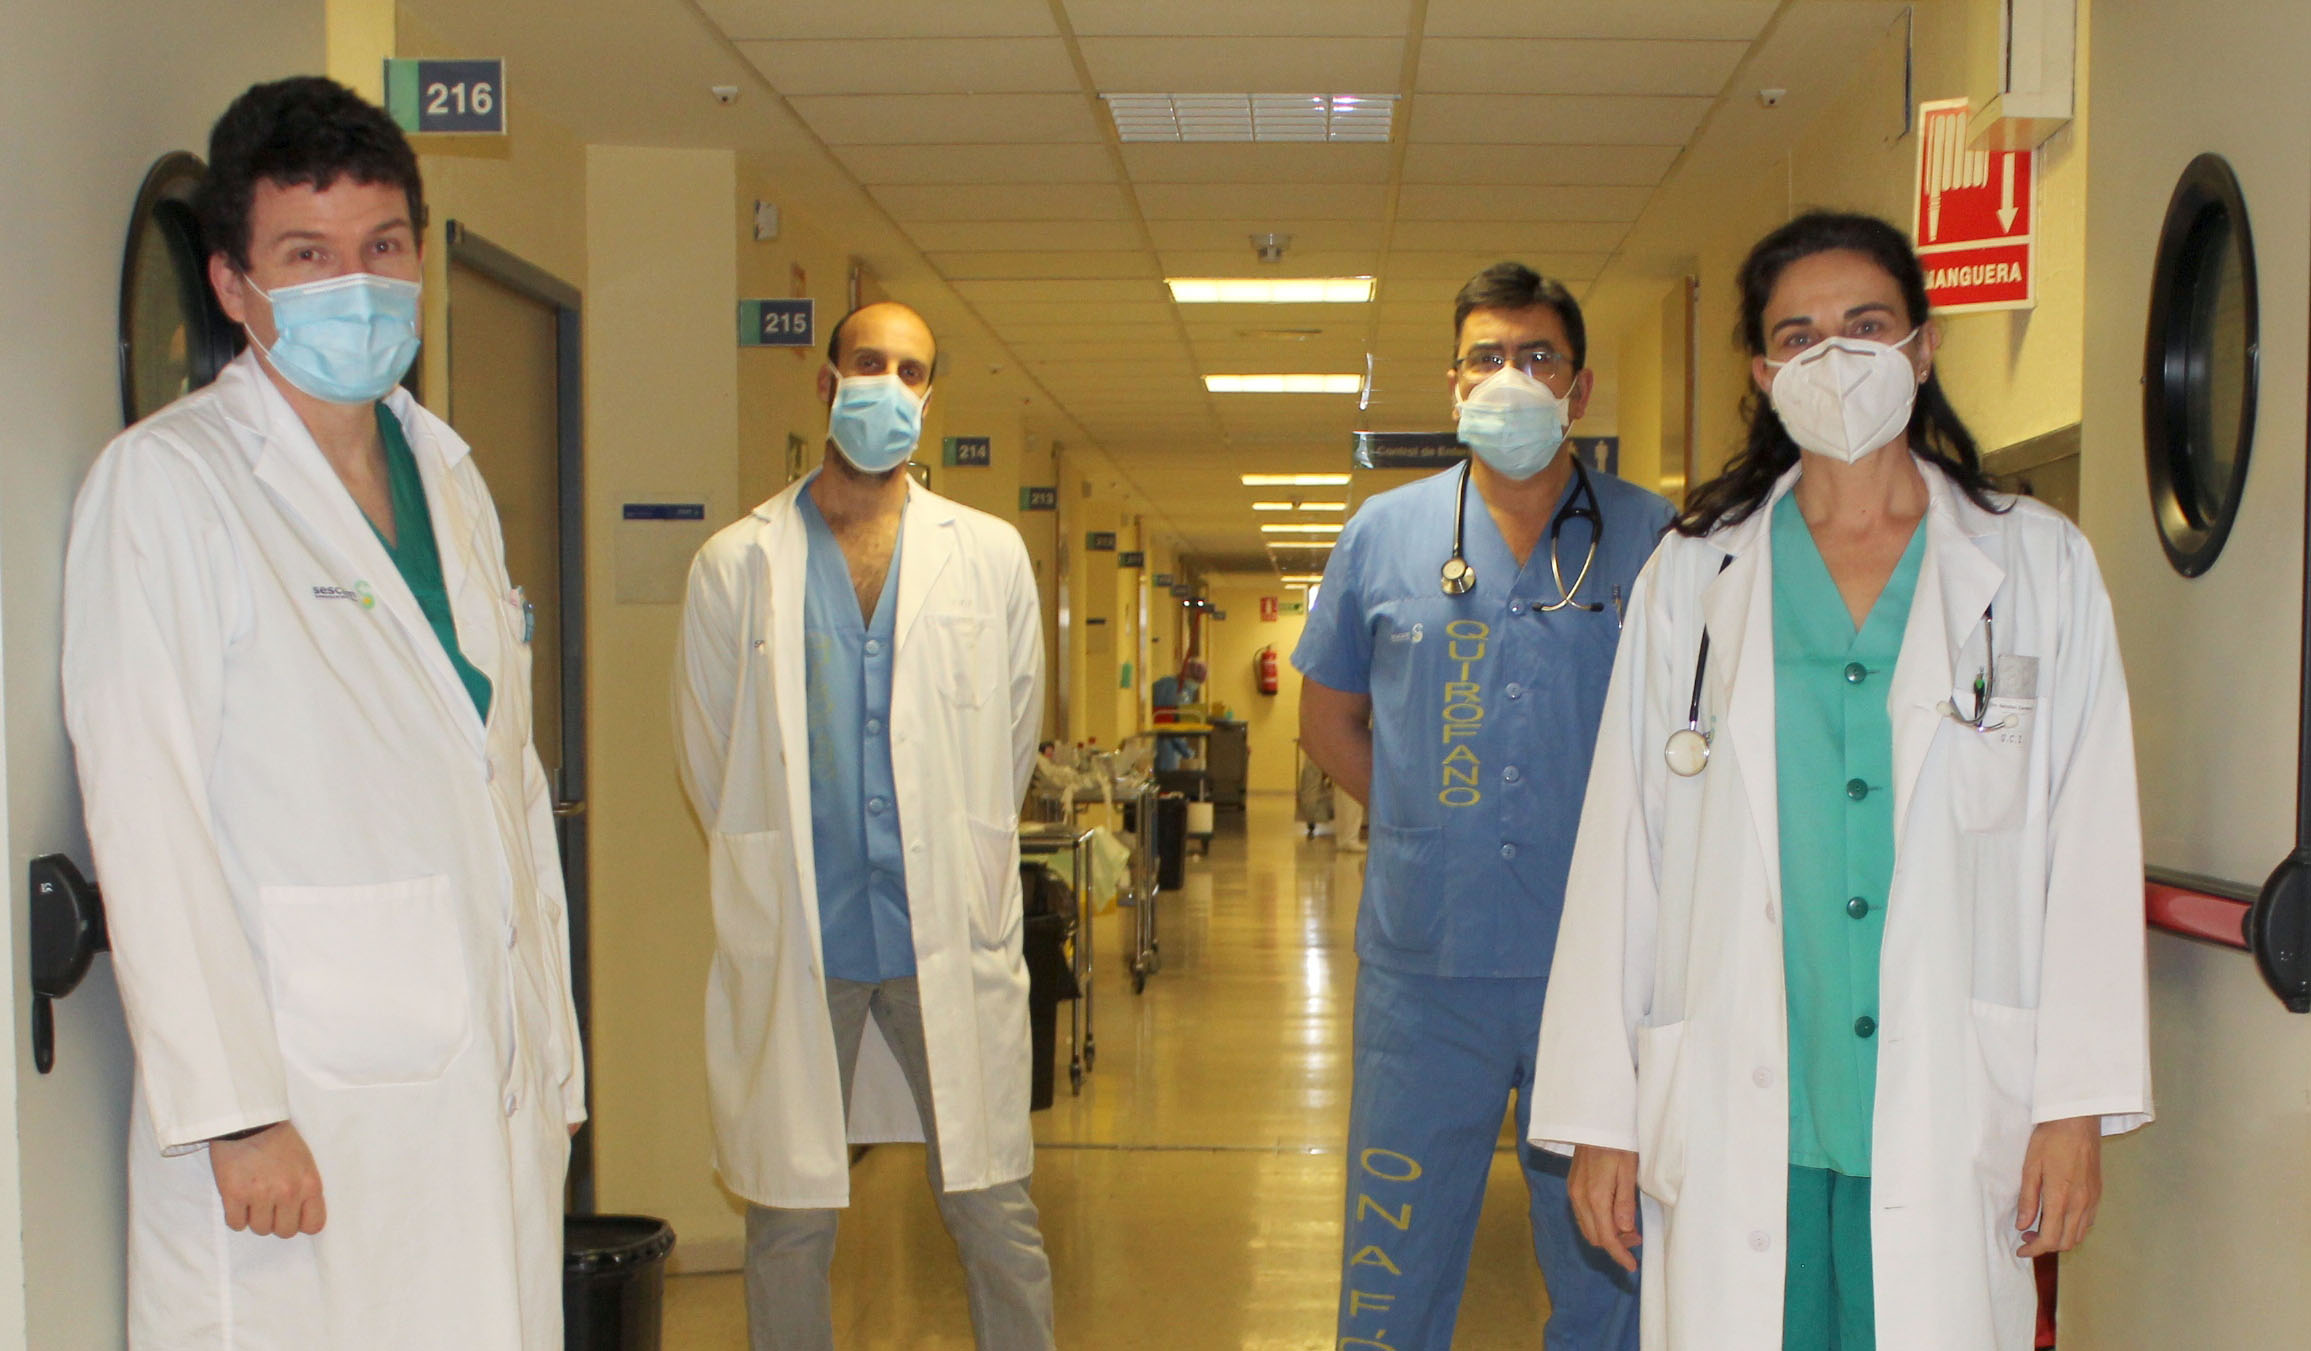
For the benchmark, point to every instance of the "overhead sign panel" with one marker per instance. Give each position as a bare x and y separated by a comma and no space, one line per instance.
1976,217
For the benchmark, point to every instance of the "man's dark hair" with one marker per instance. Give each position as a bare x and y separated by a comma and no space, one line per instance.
306,131
1513,286
835,342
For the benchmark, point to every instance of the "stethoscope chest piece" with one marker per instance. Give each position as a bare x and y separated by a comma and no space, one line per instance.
1459,575
1687,752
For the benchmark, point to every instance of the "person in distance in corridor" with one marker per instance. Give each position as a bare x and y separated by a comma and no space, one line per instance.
858,696
1454,668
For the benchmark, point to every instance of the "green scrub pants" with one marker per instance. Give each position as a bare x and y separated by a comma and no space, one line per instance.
1827,1302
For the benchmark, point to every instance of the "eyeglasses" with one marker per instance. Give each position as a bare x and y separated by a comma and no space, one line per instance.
1537,362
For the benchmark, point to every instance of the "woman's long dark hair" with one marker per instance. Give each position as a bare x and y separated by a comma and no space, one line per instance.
1935,431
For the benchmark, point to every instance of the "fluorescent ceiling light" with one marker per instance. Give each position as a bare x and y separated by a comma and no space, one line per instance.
1299,528
1284,384
1271,506
1302,578
1299,506
1252,117
1294,480
1270,290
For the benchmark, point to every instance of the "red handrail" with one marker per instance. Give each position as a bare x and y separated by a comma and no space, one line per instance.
2196,914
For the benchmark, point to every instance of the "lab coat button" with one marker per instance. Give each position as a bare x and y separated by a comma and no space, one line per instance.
1511,774
1856,673
1758,1242
1762,1077
1858,908
1772,913
513,933
513,1103
1856,790
1865,1026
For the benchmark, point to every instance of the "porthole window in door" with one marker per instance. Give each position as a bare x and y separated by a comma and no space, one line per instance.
2199,365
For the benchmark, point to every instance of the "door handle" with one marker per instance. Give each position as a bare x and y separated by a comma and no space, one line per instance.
67,931
565,810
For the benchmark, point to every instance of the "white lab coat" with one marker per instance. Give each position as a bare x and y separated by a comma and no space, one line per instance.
2012,988
334,894
966,707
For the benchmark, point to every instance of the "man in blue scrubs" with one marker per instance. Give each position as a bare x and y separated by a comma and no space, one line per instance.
1456,693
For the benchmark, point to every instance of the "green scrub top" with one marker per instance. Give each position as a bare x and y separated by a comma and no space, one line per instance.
419,557
1835,746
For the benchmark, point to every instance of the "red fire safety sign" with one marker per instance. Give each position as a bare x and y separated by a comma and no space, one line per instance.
1977,216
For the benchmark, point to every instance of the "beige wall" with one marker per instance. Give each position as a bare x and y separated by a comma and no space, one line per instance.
1272,721
91,92
778,387
662,425
2206,1217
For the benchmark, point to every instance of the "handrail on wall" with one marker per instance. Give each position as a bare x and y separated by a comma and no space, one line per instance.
2205,908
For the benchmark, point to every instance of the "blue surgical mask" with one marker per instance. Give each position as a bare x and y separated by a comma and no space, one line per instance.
876,421
1513,422
348,339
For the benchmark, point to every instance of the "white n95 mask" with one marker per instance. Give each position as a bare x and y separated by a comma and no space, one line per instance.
1513,422
875,420
1846,397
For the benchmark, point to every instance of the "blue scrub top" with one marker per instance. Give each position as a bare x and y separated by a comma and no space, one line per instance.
865,931
1484,717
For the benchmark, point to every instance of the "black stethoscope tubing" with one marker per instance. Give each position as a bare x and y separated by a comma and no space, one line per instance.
1458,576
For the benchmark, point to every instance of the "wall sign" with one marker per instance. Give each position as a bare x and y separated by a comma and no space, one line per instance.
456,98
1039,499
1182,591
1131,558
1163,579
1099,542
665,511
777,323
1267,609
1976,216
967,452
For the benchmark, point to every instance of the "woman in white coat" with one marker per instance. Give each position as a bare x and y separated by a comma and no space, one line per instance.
1851,981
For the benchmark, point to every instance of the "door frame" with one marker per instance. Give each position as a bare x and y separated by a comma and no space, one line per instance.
469,250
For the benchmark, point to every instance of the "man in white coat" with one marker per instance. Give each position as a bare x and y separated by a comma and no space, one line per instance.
858,698
297,681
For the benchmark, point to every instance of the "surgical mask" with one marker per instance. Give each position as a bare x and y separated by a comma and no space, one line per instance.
1846,397
348,339
875,421
1513,422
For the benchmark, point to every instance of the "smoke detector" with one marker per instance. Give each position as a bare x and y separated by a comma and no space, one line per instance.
1271,247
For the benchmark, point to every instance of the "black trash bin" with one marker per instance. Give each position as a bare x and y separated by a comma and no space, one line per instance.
1171,841
613,1281
1049,920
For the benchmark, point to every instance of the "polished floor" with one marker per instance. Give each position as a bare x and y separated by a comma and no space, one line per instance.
1191,1195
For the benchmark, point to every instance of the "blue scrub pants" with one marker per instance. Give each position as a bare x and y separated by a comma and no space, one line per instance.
1436,1058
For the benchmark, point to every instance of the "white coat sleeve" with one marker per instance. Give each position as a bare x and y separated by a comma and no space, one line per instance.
706,670
1024,614
2093,996
152,600
1601,979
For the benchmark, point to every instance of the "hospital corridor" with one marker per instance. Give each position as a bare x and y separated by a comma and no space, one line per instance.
1234,675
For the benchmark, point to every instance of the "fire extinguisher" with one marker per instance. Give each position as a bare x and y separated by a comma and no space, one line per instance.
1265,666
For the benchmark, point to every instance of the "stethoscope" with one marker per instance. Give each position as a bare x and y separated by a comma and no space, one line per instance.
1458,576
1687,749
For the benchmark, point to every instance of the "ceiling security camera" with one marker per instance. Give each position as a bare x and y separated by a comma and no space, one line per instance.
1771,98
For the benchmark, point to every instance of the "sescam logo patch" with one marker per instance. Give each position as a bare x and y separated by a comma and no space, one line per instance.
358,593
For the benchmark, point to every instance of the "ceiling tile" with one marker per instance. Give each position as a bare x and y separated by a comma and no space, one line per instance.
1693,19
1036,353
1496,65
1250,327
1222,162
1308,236
1063,163
1060,236
1213,201
1219,65
1503,202
914,119
915,66
989,202
1452,270
1197,18
1547,119
1028,302
1019,336
745,19
1623,165
1064,266
1508,238
1240,262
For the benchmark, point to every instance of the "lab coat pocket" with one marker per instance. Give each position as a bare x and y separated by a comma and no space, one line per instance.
962,654
1402,893
995,909
1990,768
1660,1115
369,983
2005,1068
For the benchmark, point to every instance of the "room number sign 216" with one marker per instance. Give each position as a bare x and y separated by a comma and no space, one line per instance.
447,97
